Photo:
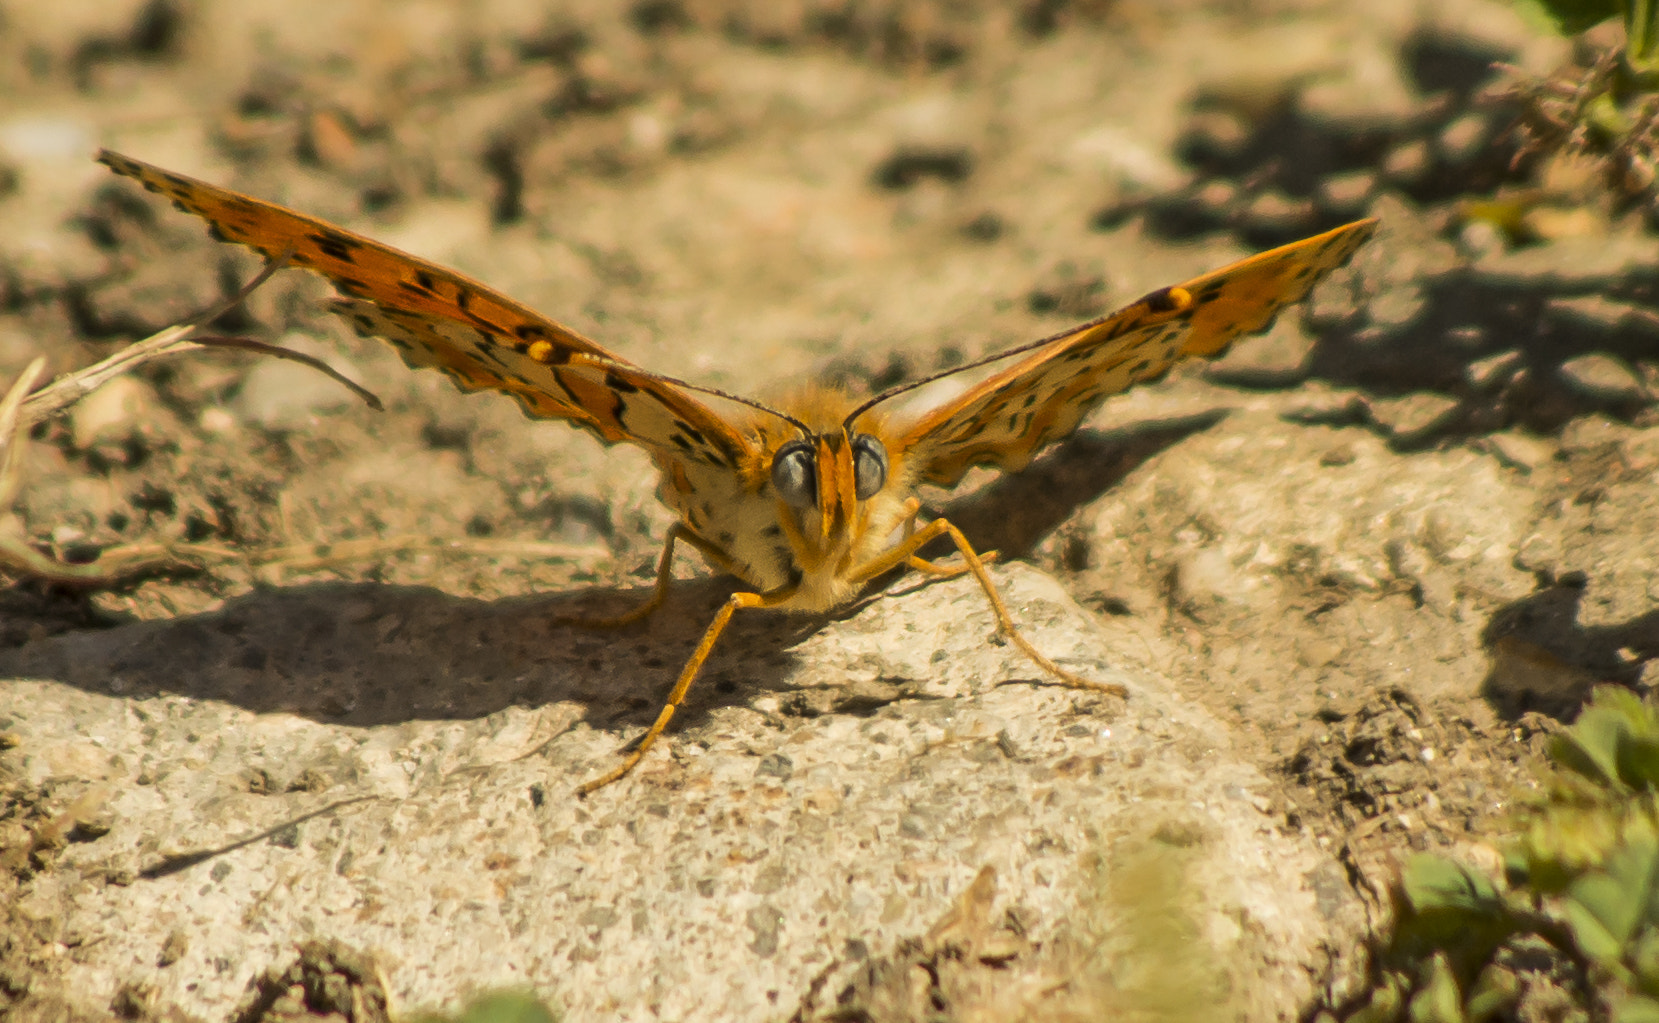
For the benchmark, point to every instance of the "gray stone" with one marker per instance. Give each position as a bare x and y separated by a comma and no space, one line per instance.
1601,377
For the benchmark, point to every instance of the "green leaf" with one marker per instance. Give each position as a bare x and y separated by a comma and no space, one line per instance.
1641,35
1568,17
1613,716
1433,882
1384,1006
1440,1001
1644,960
1596,938
1637,1009
1639,761
1496,990
1604,907
502,1007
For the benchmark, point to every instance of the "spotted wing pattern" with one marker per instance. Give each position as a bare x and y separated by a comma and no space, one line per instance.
1006,419
441,319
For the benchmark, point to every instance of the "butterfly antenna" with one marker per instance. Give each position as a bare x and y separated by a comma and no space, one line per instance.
899,389
717,392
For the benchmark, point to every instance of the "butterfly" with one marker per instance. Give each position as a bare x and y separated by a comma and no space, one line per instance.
807,500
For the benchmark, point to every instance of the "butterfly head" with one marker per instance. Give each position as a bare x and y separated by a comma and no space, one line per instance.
830,473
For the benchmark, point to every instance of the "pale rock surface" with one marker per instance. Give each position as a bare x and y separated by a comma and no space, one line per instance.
754,852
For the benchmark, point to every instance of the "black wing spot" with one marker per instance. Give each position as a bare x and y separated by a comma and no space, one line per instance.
335,246
1209,293
772,530
423,280
616,383
684,427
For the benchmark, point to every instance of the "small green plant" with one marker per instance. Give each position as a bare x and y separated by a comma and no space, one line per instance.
507,1006
1570,17
1607,106
1578,908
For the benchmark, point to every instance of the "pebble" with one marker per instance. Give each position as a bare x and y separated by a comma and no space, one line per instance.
1602,377
1413,418
1463,141
1408,164
1370,97
1602,315
1569,265
1481,238
1274,213
1494,369
1519,451
35,139
1641,451
1588,435
1215,139
113,412
1552,223
1347,195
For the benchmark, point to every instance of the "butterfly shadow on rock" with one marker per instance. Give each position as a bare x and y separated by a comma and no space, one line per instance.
1013,513
370,654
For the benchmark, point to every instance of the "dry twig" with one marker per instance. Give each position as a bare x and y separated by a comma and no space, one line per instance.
20,411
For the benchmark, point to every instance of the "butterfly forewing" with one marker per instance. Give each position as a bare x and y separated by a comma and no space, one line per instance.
479,337
1007,418
614,401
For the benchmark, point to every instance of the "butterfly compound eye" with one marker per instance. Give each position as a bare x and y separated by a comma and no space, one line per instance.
869,466
794,476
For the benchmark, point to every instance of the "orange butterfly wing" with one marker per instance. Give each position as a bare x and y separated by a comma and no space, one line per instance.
1006,419
441,319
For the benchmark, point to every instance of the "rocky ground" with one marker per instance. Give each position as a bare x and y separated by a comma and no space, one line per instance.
1352,574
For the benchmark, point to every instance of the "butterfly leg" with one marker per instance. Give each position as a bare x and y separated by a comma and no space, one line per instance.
939,571
905,553
665,578
688,674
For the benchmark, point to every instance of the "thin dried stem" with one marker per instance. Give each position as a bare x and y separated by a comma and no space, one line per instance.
20,411
68,389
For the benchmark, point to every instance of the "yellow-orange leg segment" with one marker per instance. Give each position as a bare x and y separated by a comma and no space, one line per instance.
665,576
905,553
939,571
688,674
